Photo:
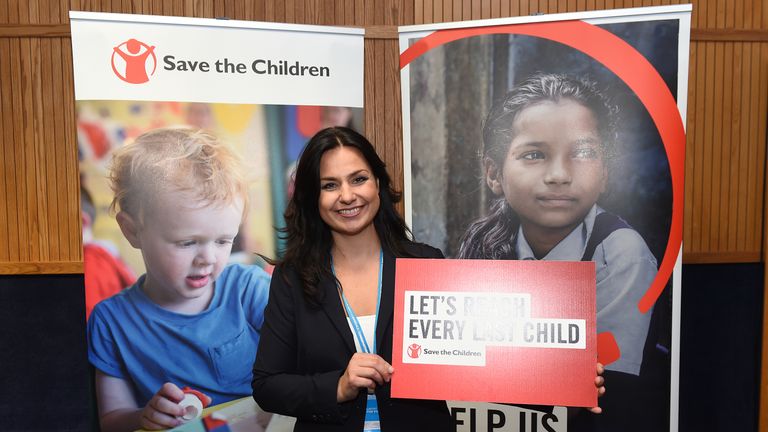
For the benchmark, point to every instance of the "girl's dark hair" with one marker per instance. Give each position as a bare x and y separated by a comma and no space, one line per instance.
490,237
308,238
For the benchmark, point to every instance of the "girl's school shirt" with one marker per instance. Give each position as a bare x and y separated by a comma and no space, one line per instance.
625,268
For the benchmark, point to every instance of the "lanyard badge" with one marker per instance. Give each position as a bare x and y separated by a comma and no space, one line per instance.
371,407
371,415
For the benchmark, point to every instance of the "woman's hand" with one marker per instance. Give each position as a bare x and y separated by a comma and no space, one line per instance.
363,371
600,384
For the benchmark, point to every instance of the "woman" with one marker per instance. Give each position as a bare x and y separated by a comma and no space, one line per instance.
326,343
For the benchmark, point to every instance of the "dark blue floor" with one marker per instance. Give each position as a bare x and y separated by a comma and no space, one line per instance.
721,328
44,375
44,380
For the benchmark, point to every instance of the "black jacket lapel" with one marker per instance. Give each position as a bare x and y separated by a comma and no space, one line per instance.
332,307
387,305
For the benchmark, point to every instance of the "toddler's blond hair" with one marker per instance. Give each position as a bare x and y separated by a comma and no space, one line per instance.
175,160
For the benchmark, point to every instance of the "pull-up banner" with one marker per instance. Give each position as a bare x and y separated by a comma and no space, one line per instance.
133,57
560,138
262,89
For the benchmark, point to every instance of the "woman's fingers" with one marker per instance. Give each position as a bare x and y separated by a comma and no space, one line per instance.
368,372
600,384
363,371
372,367
600,380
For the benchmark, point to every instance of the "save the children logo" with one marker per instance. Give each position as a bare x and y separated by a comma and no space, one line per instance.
134,61
414,350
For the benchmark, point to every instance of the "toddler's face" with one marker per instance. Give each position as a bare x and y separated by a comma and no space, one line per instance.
554,170
185,245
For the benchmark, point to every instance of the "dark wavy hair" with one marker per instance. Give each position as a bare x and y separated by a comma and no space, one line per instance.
308,238
490,237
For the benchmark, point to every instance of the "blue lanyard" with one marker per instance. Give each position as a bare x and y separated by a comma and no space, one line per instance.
351,314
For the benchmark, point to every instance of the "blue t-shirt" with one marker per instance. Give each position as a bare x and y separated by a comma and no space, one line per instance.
131,338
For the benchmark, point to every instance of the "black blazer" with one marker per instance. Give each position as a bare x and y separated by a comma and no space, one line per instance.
304,350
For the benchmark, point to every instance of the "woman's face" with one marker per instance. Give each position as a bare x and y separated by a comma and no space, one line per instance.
554,169
349,193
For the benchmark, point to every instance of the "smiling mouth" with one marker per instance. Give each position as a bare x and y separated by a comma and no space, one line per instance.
349,212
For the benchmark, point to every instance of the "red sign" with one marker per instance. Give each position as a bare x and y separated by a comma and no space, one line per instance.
495,331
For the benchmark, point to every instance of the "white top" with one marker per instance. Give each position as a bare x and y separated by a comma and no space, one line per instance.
368,324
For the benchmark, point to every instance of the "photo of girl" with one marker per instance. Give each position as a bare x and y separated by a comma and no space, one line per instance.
546,149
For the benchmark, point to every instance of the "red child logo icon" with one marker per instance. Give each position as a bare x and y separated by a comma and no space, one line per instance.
414,350
131,60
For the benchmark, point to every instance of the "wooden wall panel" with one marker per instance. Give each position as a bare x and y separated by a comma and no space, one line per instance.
7,182
725,158
40,218
726,143
726,111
